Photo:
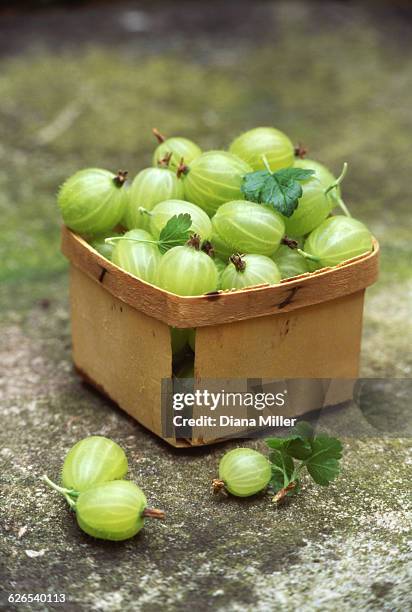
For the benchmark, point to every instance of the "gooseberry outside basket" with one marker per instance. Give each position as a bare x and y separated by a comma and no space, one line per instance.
308,327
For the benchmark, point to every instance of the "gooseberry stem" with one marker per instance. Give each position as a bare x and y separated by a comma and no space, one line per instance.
114,239
281,494
290,242
182,168
120,178
165,161
144,211
159,243
153,513
343,206
160,138
67,493
238,262
208,248
218,485
308,256
300,151
194,242
339,179
335,185
293,244
265,161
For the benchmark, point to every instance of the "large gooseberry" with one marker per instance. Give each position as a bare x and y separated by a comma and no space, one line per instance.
93,460
243,472
290,262
338,239
149,187
264,141
186,270
215,178
247,227
136,253
175,149
163,211
93,201
248,270
113,510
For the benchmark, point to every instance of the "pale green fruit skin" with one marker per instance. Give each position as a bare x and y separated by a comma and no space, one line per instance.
220,264
179,339
244,471
222,250
185,271
290,262
149,187
215,178
164,211
112,510
338,239
274,144
322,173
259,270
90,201
141,259
247,227
125,220
179,147
91,461
314,206
102,247
221,267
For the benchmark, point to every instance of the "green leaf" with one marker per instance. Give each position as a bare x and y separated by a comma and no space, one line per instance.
281,189
282,469
304,430
176,232
299,449
278,443
298,444
323,464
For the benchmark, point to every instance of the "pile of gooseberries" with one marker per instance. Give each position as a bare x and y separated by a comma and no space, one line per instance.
233,243
106,505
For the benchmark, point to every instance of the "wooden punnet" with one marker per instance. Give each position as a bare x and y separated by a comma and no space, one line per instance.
308,327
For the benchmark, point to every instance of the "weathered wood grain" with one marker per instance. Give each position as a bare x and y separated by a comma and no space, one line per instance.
222,307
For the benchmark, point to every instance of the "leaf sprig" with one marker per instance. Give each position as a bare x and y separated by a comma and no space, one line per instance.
320,455
176,232
281,189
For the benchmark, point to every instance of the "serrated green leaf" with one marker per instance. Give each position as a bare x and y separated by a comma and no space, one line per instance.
176,232
298,444
299,449
304,430
294,446
281,189
253,183
297,174
323,464
278,443
282,469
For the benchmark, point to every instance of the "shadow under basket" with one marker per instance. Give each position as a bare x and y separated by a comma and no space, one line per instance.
308,327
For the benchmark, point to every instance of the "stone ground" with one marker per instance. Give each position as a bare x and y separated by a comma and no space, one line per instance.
83,87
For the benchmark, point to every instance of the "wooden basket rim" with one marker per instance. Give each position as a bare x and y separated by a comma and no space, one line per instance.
224,306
